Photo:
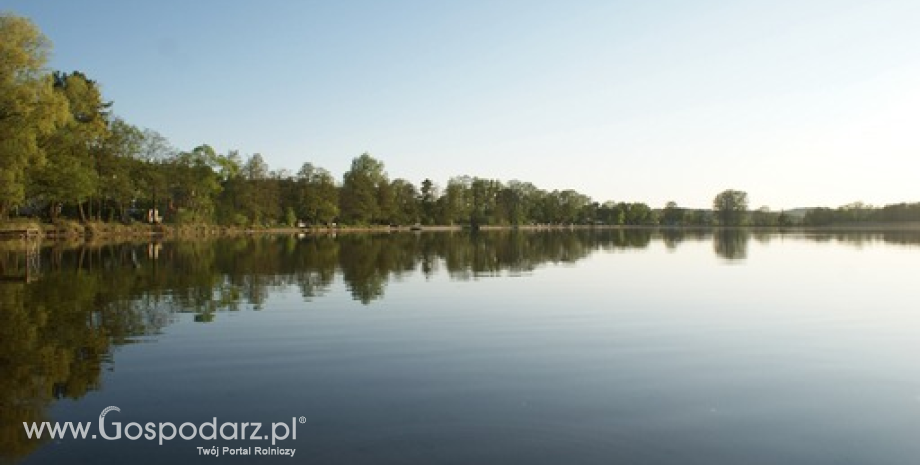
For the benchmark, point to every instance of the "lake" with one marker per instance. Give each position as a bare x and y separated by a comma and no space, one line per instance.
536,347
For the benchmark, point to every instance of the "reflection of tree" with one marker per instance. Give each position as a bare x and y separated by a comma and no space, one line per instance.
620,239
56,332
861,238
316,258
365,263
731,244
53,341
762,236
672,237
477,254
25,390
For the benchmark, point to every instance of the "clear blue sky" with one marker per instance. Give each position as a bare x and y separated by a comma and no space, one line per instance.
799,103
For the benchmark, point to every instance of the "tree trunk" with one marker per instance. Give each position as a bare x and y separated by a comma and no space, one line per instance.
82,213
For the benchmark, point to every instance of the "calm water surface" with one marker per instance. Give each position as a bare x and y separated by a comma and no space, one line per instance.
509,347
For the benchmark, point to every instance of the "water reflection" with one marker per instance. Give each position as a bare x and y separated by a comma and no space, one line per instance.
731,244
60,323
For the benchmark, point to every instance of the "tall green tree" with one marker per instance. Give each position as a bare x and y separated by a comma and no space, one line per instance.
318,196
260,201
639,214
29,107
194,183
406,208
428,201
118,167
150,176
731,207
360,194
71,174
456,203
234,194
482,201
571,205
672,215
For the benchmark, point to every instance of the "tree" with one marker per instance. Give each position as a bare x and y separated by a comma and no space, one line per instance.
639,214
764,217
428,201
548,209
563,207
318,197
455,204
482,193
731,207
194,183
698,218
117,164
612,213
516,201
406,208
260,198
155,147
784,220
361,186
386,204
255,168
29,108
672,215
150,174
856,212
71,174
819,217
508,206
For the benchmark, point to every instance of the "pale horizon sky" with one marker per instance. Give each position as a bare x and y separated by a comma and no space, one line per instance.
798,103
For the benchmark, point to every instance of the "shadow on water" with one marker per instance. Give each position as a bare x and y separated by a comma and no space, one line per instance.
57,328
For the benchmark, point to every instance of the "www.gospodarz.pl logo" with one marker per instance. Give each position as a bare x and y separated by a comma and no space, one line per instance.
166,431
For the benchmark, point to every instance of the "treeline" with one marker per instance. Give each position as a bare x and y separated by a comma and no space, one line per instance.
64,154
858,213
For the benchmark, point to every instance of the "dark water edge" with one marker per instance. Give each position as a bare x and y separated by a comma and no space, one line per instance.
99,232
493,346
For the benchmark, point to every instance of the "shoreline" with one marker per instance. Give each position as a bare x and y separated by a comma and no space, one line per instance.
70,231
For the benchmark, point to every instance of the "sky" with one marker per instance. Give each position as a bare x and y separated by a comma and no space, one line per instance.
798,103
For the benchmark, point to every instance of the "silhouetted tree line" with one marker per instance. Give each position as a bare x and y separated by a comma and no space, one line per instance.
857,213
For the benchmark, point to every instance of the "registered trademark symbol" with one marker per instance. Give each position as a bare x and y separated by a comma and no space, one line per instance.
303,420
